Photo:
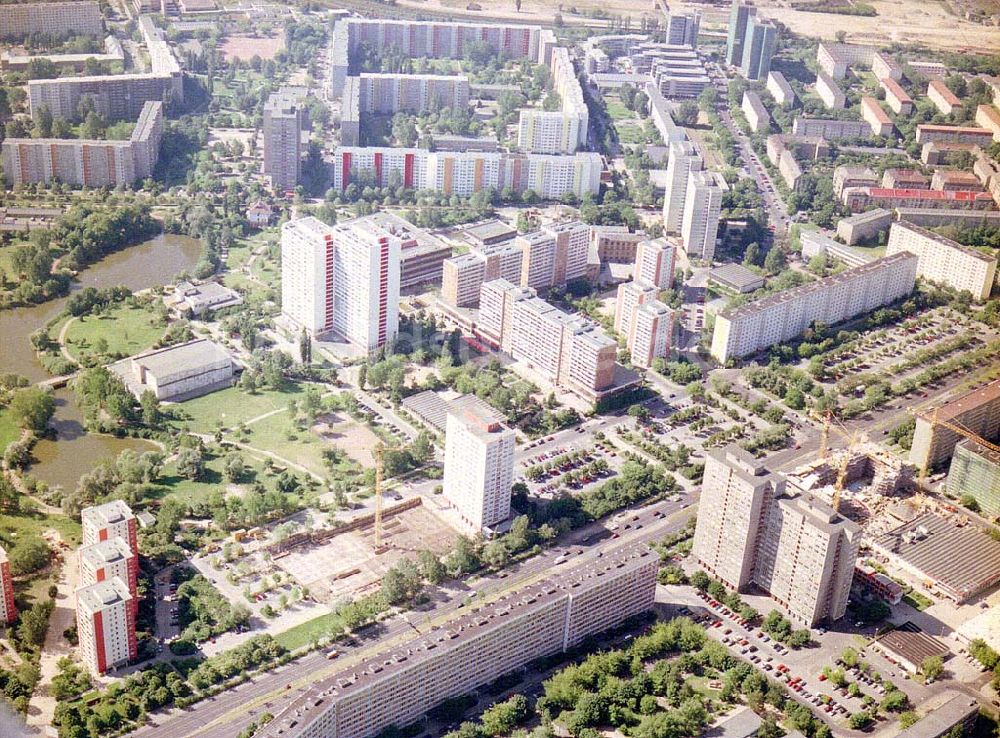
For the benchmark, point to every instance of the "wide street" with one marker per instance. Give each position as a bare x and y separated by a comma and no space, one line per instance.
224,715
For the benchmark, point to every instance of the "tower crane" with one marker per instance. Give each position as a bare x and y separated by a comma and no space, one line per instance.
379,453
852,438
934,420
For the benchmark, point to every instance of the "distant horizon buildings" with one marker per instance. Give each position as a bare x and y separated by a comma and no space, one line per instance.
739,15
341,279
752,531
478,466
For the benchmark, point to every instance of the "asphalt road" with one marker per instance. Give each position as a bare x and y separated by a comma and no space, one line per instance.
225,715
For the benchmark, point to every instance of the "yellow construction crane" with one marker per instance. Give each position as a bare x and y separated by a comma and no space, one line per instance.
852,439
824,433
379,474
954,428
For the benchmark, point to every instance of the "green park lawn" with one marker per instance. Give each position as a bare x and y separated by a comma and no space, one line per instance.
173,485
9,430
617,110
630,132
279,435
229,407
126,329
305,633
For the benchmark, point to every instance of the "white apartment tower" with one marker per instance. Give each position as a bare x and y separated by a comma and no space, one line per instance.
682,159
652,331
109,559
751,531
8,610
654,263
342,279
282,141
940,259
105,623
108,521
702,205
478,466
630,296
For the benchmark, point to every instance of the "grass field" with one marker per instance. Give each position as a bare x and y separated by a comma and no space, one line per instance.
617,110
304,633
8,430
230,407
279,435
126,329
630,133
171,484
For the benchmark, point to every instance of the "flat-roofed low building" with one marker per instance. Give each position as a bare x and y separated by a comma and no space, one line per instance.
941,95
875,116
489,232
198,298
779,88
989,118
398,686
863,227
815,243
956,562
899,100
737,278
179,372
933,217
421,254
614,244
858,199
909,646
956,709
961,267
975,472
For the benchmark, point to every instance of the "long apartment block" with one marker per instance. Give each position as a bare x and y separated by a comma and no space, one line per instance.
783,316
943,260
567,350
835,59
830,129
398,686
550,176
116,97
977,410
53,19
751,530
97,163
562,131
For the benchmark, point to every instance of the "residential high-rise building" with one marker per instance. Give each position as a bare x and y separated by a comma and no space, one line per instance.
942,260
630,296
108,559
342,279
739,16
50,19
758,47
682,159
478,466
105,625
397,687
702,206
975,471
111,520
978,411
8,609
567,350
682,29
652,333
560,131
654,263
784,315
751,530
90,163
281,139
554,255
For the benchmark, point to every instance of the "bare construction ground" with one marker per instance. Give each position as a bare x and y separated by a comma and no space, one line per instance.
355,439
348,564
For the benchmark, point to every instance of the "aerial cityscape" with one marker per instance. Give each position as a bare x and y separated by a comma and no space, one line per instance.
508,369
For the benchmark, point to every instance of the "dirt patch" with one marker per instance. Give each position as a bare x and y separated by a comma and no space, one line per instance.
356,440
247,47
348,565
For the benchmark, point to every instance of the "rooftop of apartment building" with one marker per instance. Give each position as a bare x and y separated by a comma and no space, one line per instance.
479,420
876,109
957,195
969,401
312,225
106,552
415,241
986,453
896,89
937,128
942,718
821,284
433,408
938,238
490,232
114,511
473,624
99,596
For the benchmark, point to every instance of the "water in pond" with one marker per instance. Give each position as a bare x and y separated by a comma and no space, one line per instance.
74,452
